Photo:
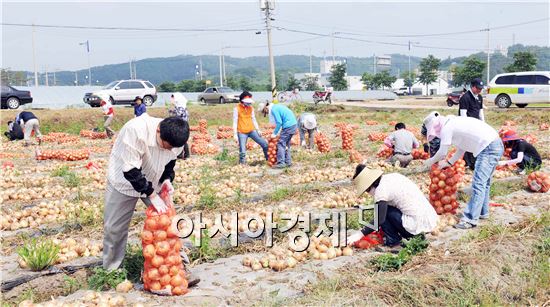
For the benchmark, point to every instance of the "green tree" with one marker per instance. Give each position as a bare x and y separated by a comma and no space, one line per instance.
428,70
337,77
232,82
292,83
471,68
185,86
167,86
310,83
523,61
383,79
367,79
408,80
245,84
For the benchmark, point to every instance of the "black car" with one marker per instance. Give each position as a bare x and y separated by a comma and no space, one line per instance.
12,98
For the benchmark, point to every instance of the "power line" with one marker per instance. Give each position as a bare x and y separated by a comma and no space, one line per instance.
127,28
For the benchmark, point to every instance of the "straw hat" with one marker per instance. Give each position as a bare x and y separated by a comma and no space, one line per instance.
365,179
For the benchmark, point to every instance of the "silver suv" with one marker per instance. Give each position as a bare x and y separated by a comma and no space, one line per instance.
124,92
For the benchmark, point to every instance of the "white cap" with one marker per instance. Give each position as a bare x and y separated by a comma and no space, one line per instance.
310,122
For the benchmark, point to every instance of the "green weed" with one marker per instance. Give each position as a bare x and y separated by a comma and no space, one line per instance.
71,285
38,255
102,279
390,262
279,194
133,262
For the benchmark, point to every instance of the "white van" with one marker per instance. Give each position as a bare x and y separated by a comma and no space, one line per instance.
520,88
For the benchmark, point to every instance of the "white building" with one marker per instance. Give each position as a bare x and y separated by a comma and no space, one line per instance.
439,87
354,82
326,66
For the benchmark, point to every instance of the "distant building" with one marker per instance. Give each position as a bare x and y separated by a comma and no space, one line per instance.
326,66
439,87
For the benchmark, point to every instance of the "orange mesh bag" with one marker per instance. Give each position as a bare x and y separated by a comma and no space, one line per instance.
163,270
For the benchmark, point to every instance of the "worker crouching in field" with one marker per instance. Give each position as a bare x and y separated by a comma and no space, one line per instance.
108,115
403,210
14,132
139,107
245,126
402,141
285,123
467,134
433,145
307,122
142,162
522,154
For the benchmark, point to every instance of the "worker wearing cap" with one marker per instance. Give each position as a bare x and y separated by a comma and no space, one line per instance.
522,154
108,115
245,126
471,105
307,122
285,123
139,107
403,210
475,136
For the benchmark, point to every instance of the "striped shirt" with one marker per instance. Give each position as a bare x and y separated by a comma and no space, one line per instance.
136,147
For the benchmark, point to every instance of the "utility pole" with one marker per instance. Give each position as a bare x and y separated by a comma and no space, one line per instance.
76,78
310,62
221,67
410,66
46,76
374,62
488,56
513,39
34,57
333,53
87,43
135,69
54,80
267,6
200,68
131,74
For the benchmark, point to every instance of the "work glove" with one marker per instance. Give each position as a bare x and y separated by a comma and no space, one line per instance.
168,185
158,203
443,164
259,131
426,166
303,143
235,137
502,163
356,236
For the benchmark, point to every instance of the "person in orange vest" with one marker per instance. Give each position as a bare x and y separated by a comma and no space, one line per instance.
245,126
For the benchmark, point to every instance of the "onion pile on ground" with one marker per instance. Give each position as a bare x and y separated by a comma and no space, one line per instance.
63,154
377,136
385,152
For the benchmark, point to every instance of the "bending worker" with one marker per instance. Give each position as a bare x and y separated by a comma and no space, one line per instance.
307,122
467,135
523,154
142,161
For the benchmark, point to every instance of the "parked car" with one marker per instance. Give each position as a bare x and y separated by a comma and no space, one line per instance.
12,98
402,91
124,92
218,94
520,88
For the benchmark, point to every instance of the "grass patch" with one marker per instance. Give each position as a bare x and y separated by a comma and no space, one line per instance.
391,262
102,279
38,255
133,262
205,252
501,188
207,199
71,285
71,179
280,194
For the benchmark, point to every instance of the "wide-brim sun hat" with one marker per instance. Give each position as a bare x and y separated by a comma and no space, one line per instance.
365,179
510,135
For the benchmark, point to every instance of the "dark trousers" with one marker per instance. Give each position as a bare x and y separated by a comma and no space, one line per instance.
470,160
393,227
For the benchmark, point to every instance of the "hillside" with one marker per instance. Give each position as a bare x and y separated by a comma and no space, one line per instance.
182,67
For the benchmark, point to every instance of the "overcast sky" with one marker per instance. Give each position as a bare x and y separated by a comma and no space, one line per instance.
378,28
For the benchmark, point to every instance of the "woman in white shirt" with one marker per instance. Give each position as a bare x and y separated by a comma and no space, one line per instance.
403,210
468,135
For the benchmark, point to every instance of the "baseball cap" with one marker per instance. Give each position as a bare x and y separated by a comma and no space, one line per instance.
477,83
